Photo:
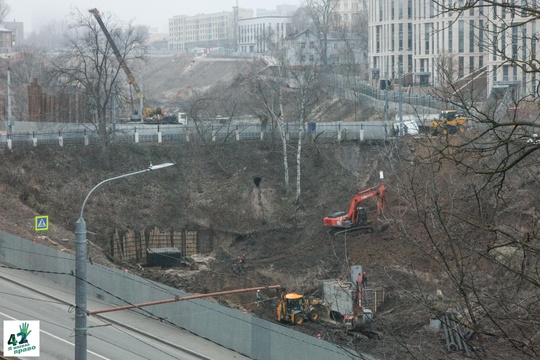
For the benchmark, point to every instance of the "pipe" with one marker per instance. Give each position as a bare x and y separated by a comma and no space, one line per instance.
178,298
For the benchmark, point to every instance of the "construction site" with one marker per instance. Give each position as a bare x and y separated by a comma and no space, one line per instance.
348,263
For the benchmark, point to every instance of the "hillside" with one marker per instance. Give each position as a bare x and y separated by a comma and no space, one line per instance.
237,191
214,187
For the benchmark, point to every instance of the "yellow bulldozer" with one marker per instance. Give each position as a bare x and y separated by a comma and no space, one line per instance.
294,309
449,122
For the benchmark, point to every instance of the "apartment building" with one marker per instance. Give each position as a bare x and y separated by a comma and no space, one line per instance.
346,11
256,34
205,30
410,37
6,39
17,28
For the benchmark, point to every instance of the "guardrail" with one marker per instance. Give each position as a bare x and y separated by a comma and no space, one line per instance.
215,133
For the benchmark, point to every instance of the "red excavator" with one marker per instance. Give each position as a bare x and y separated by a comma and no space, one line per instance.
355,220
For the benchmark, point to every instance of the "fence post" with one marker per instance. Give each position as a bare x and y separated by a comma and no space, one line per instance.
159,135
262,135
9,143
213,135
362,132
136,136
86,139
188,133
60,139
339,133
237,134
34,139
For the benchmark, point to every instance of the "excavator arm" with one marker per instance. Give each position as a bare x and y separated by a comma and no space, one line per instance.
368,194
121,60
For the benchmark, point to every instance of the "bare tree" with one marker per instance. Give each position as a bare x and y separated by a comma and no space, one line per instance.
268,88
5,9
306,85
91,66
322,14
49,37
473,194
26,66
285,90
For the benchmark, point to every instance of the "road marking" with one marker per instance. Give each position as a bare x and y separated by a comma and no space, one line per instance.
58,338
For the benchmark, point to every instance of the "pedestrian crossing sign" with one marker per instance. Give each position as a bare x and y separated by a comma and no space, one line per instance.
41,223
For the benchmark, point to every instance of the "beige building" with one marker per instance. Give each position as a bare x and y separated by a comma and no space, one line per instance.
347,10
6,39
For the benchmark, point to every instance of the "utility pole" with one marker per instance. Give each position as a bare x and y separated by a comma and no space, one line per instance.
235,15
10,120
400,75
386,99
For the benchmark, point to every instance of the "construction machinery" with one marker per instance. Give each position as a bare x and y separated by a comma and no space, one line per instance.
294,309
449,122
355,220
149,114
345,299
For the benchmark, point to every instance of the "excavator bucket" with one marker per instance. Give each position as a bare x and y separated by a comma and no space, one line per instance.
383,226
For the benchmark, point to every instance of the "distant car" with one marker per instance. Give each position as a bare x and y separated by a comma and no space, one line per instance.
405,127
533,139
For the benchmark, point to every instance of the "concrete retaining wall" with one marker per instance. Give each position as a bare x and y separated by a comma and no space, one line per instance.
231,328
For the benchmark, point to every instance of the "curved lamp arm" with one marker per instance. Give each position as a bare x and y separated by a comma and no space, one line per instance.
150,168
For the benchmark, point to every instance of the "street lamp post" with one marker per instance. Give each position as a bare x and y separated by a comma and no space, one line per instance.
9,115
80,268
400,109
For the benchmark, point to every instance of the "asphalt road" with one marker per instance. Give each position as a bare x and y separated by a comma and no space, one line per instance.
119,335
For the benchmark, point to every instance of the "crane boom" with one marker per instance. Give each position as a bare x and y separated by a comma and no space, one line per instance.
131,78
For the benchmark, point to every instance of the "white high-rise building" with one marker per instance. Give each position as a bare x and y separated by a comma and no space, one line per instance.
411,37
204,30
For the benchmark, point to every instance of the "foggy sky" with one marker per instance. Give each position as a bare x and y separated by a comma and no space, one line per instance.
154,13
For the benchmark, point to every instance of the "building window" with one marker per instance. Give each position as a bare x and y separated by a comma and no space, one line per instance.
471,36
409,36
427,36
461,36
312,45
311,58
461,67
471,64
495,42
378,38
400,39
392,37
481,36
302,45
450,37
514,43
